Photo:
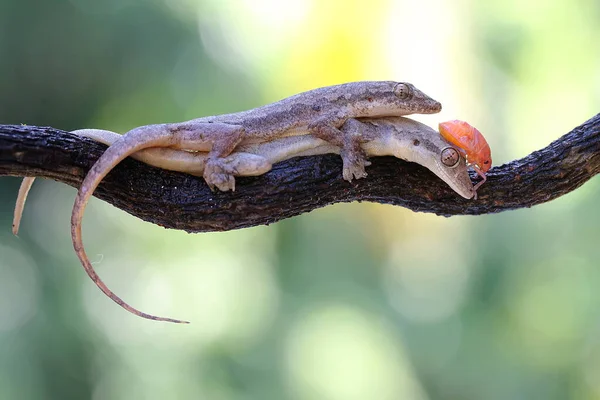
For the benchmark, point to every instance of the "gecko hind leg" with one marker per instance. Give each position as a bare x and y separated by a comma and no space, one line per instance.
349,139
219,139
217,172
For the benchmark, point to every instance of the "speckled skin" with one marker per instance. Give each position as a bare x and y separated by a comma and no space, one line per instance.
320,112
293,115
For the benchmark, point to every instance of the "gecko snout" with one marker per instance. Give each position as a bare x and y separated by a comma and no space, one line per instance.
424,104
435,106
428,106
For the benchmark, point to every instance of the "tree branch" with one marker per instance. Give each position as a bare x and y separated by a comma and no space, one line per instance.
180,201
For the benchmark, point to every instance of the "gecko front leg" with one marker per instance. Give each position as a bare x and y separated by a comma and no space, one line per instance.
349,141
216,171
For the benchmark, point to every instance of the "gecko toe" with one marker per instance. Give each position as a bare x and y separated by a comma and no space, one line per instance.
216,175
350,174
354,165
223,182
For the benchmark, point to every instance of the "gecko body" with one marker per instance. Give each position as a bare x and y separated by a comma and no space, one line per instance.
319,112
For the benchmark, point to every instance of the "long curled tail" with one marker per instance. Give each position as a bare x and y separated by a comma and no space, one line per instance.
137,139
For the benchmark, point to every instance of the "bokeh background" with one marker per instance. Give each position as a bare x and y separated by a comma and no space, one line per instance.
353,301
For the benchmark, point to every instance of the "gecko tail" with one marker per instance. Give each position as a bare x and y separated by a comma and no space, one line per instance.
20,204
133,141
102,286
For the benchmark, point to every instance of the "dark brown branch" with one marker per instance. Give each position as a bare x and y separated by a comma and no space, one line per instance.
180,201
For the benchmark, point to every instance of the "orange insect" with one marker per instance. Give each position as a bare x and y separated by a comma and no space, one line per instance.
471,144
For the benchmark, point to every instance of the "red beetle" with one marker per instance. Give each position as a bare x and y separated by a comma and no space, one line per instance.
471,144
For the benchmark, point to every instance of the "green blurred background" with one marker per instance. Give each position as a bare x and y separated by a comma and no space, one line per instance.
353,301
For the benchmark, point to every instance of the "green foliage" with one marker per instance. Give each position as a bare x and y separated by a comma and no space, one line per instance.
348,302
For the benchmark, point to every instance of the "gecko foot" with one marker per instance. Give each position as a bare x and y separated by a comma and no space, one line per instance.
217,174
355,162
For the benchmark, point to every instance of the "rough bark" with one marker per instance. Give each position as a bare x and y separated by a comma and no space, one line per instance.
180,201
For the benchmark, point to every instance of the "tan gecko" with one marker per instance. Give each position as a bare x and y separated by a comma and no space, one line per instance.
396,136
319,113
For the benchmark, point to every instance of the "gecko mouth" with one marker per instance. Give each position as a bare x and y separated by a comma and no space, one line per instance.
427,106
434,107
464,192
457,178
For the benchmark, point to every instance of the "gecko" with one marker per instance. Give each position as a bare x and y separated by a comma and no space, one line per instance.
394,136
319,113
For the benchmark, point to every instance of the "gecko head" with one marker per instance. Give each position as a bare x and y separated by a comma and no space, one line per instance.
414,101
400,98
416,142
449,165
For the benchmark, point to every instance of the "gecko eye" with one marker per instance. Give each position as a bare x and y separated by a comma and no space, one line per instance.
450,157
403,91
